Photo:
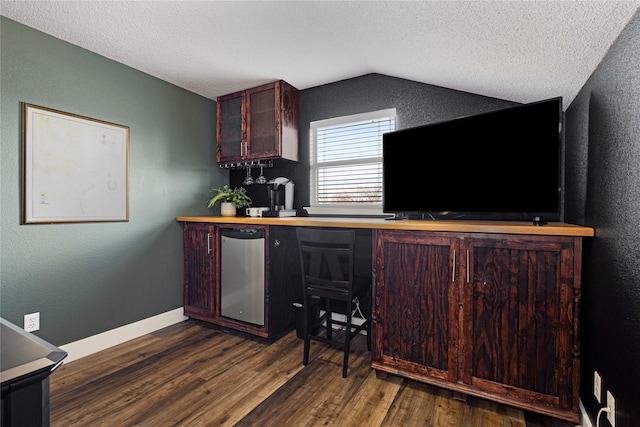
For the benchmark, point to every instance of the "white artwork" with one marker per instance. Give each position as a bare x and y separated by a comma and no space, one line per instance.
76,168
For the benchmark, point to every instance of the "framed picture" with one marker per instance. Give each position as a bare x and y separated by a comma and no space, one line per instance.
76,169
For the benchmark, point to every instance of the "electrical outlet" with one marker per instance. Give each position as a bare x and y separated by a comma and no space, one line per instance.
32,322
597,386
611,404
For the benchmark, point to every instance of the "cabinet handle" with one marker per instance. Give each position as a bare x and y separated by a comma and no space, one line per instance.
276,243
468,266
453,274
208,243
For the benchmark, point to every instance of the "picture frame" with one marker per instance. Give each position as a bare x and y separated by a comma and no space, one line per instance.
75,168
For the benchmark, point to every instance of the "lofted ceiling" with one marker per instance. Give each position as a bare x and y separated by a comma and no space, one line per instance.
520,51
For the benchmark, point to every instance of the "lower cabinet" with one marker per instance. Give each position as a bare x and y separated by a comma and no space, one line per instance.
202,278
201,300
490,315
285,280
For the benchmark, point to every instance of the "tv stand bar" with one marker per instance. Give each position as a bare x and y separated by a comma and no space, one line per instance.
462,226
483,308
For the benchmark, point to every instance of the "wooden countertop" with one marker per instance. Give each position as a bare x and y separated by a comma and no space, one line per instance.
503,227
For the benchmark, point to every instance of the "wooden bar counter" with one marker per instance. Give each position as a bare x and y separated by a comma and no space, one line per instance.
501,227
483,308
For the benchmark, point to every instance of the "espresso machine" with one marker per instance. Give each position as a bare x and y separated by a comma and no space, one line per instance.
280,192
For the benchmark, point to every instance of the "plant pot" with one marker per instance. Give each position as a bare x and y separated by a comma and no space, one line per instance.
227,209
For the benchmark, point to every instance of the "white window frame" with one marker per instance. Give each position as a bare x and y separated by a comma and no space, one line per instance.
341,208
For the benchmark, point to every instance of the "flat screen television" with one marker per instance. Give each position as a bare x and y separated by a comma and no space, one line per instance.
500,165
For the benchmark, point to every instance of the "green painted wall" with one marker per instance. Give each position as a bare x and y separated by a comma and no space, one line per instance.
87,278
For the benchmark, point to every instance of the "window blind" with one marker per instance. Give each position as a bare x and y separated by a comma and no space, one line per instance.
346,159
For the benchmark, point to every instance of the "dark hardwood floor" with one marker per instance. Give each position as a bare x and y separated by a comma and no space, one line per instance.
192,375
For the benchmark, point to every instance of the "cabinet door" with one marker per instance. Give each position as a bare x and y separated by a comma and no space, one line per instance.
230,128
200,253
518,319
285,281
263,124
415,319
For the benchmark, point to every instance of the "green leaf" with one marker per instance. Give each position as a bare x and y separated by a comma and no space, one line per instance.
238,197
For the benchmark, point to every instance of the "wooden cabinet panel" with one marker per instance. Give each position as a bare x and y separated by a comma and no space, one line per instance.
230,126
415,325
285,282
200,270
518,317
262,129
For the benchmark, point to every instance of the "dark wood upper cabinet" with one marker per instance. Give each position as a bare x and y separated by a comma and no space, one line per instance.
260,123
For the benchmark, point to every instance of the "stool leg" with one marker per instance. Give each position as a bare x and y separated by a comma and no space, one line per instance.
305,357
347,343
329,318
305,333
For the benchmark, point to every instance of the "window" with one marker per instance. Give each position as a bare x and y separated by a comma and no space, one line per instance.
346,160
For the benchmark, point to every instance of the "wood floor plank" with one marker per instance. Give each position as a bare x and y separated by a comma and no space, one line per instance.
117,357
405,409
165,405
298,401
484,413
133,381
372,401
320,396
246,384
190,375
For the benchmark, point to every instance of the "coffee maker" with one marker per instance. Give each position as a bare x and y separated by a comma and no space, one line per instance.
280,192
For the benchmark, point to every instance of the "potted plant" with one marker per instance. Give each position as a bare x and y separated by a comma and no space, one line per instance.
229,199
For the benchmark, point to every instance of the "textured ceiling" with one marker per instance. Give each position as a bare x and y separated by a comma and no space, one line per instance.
520,51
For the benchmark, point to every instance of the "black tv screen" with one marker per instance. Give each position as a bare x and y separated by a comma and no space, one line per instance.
500,165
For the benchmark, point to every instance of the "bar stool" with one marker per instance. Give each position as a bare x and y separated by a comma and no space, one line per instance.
327,261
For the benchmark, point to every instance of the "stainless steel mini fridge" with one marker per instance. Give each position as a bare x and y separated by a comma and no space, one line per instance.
242,261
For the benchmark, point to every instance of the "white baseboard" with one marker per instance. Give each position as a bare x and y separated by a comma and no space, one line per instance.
95,343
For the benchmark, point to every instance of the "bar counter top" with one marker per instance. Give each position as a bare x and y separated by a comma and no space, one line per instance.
460,226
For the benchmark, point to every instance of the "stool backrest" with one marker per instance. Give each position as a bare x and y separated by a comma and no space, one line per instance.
327,260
